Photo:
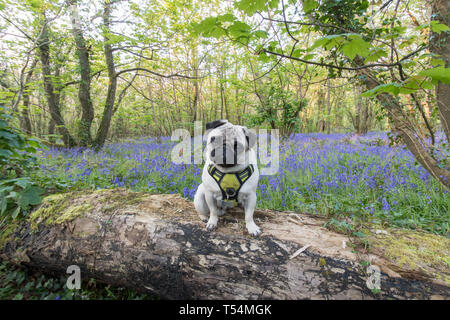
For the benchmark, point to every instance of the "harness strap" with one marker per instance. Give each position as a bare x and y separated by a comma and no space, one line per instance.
230,183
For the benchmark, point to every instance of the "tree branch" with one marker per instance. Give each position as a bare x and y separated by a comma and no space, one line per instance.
385,65
174,75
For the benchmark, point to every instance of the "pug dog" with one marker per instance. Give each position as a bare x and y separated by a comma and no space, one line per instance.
230,175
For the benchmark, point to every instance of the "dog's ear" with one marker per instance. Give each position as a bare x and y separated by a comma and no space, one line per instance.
215,124
250,135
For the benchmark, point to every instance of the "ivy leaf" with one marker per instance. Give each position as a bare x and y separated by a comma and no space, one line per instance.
438,74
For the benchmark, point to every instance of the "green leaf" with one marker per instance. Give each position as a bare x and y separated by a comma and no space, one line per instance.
260,34
226,17
34,143
408,42
3,203
209,28
18,296
16,213
327,42
359,234
297,53
239,28
438,27
418,82
393,88
36,4
309,5
438,74
23,183
5,153
30,196
437,62
356,46
250,7
375,54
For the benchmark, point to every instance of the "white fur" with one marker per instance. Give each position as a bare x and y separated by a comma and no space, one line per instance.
208,196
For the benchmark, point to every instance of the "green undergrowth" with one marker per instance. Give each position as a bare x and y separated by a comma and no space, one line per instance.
26,284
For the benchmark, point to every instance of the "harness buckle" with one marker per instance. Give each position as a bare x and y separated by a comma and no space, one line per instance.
230,192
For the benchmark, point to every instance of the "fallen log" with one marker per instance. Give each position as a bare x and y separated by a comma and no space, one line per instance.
157,244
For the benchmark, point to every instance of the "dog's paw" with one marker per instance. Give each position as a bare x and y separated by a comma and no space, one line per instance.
253,229
212,224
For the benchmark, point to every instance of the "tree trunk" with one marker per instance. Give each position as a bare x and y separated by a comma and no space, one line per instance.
328,121
320,106
103,129
440,45
53,104
406,129
25,117
84,91
364,116
358,107
157,244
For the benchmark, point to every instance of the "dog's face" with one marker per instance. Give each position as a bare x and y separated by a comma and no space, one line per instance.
228,144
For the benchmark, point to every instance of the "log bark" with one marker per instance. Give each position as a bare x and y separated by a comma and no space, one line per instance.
157,244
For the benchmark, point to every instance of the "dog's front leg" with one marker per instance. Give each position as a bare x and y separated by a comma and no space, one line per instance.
249,207
213,211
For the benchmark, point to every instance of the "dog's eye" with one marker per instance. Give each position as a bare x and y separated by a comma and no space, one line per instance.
213,139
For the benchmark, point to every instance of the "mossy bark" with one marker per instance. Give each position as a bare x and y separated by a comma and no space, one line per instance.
157,244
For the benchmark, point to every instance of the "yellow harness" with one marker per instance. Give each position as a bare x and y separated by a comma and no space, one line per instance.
230,183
